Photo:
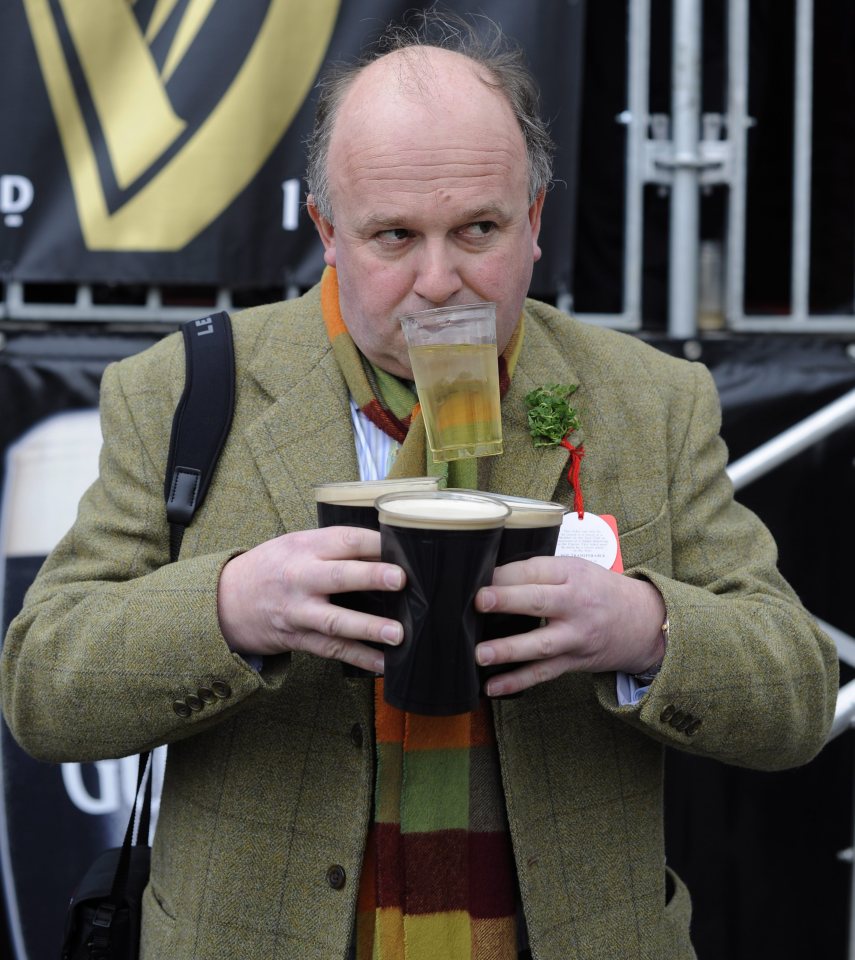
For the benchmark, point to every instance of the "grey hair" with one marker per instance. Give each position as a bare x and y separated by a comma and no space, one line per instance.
502,61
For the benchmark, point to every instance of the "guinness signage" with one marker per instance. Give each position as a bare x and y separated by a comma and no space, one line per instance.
177,180
162,141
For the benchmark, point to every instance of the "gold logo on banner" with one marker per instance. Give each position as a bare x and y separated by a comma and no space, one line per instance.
138,122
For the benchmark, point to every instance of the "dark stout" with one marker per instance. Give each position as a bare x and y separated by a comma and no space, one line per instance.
447,544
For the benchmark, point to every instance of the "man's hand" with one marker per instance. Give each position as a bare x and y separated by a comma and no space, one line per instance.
276,597
597,620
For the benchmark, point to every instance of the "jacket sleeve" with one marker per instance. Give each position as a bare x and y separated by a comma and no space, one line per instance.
748,677
112,635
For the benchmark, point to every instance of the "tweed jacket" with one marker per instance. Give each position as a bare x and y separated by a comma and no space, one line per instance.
269,785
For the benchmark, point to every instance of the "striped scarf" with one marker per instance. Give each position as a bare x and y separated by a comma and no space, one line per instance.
438,874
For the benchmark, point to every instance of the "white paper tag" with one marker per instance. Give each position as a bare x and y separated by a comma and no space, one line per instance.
590,538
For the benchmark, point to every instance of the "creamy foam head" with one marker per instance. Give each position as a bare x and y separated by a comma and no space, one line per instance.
442,511
527,512
361,493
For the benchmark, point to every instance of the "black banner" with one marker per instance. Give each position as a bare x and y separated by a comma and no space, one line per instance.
161,142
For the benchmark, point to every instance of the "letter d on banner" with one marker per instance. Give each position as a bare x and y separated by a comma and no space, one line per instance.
53,819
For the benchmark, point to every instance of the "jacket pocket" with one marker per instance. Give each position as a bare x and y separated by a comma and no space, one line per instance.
677,918
157,937
649,545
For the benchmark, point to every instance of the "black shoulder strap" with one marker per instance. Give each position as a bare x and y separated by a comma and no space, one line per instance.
202,419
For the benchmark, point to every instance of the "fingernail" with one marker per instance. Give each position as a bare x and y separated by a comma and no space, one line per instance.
392,579
392,633
485,655
487,600
377,665
495,688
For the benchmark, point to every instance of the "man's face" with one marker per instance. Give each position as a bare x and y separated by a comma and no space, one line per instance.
429,189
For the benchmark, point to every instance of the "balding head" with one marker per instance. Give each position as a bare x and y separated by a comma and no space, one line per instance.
417,58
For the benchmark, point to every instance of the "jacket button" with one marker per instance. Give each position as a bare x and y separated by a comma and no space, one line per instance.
692,728
356,735
336,877
685,722
206,694
676,719
193,702
181,708
221,689
667,713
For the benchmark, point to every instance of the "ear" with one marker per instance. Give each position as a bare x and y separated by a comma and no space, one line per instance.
325,229
534,212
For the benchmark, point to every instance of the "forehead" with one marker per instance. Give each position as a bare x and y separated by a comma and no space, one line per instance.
422,119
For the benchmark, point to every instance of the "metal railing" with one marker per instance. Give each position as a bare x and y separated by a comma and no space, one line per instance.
756,464
688,153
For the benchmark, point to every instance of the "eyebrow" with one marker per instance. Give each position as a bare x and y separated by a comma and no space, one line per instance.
373,224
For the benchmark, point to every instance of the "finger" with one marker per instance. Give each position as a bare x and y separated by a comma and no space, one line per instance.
350,576
544,643
335,543
526,676
531,599
342,649
341,623
550,570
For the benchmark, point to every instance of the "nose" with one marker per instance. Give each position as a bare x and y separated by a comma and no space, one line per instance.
437,274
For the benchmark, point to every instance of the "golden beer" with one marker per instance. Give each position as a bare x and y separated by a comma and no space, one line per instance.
458,387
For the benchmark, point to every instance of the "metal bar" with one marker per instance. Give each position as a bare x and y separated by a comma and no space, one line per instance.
851,951
817,323
844,643
636,119
792,441
737,135
617,321
685,202
844,712
800,283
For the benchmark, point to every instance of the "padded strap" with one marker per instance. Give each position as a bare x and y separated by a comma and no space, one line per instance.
202,419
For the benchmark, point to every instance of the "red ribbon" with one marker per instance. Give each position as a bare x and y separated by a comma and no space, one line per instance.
574,466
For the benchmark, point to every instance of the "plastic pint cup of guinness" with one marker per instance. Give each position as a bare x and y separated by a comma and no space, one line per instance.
351,504
447,544
530,531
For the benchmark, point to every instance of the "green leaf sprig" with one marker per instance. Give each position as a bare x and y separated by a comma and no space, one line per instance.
550,416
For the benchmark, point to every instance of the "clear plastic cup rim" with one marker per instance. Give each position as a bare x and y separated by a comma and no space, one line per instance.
449,313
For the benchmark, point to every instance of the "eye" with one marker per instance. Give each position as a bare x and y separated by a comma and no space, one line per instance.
481,228
395,235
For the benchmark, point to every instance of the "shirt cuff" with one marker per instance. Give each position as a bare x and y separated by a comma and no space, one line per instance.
629,691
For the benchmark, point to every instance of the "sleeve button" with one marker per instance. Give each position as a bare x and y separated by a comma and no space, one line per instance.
336,877
181,708
692,728
667,713
677,718
206,694
193,702
221,689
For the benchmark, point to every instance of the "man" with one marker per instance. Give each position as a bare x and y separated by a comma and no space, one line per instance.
428,176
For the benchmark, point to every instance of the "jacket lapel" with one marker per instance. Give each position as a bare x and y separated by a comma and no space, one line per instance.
523,469
304,437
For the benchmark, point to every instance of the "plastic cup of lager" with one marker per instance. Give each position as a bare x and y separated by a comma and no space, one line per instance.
351,504
530,531
456,368
447,544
